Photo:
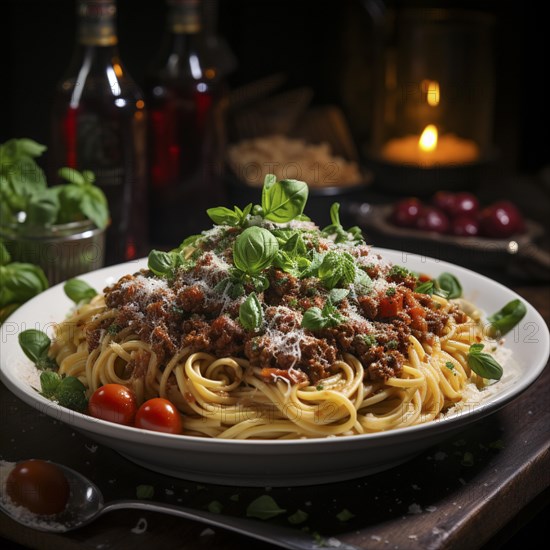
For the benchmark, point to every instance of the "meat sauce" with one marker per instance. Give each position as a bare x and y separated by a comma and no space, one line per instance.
194,310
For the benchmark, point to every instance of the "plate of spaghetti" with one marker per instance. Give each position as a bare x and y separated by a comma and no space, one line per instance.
269,351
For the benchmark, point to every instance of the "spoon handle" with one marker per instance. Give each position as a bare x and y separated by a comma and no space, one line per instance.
274,534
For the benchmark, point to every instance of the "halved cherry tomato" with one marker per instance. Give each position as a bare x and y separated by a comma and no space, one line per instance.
160,415
39,486
390,306
114,403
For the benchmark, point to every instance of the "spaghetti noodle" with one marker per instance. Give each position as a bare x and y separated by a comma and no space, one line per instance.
326,355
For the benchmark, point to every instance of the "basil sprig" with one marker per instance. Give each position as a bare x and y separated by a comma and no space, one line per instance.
35,345
250,312
335,228
316,318
79,291
508,317
165,264
68,391
483,364
221,215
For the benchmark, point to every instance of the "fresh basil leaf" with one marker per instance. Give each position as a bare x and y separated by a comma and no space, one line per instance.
89,176
336,295
26,177
254,250
49,383
483,364
315,318
71,393
23,280
30,147
42,208
79,291
508,317
264,507
162,264
93,205
450,284
189,241
425,288
223,216
284,200
259,282
72,175
337,269
5,257
298,517
362,283
250,312
34,343
269,181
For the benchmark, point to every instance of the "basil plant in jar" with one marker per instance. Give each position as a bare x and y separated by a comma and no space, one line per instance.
60,228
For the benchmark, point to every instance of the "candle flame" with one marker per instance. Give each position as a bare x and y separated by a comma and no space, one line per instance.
428,139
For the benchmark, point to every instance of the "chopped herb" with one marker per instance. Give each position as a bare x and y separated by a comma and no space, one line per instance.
498,445
399,271
215,507
391,291
293,302
449,365
369,340
145,491
298,517
114,329
264,507
392,344
345,515
320,387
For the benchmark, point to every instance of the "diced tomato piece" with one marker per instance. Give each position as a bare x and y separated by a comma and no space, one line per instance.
390,306
423,278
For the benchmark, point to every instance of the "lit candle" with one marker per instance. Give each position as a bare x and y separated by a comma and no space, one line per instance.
430,149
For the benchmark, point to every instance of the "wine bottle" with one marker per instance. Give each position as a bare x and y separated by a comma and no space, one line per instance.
99,124
186,96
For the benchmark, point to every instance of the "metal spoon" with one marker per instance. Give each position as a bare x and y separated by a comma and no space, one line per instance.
86,504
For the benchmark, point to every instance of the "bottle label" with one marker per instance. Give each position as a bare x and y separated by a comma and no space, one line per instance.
97,22
184,16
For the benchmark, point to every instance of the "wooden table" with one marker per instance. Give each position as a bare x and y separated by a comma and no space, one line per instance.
459,494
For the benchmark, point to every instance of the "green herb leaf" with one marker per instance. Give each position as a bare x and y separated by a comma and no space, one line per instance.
215,507
71,175
450,365
336,295
399,271
254,250
34,343
42,208
450,284
93,205
316,319
508,317
250,313
164,264
223,216
284,200
79,291
144,492
345,515
19,282
5,257
264,507
298,517
369,340
483,364
30,147
337,269
49,382
71,393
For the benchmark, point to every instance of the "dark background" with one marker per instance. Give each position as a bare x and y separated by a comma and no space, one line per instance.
311,41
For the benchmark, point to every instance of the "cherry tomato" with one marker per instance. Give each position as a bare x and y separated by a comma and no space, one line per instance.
501,219
114,403
433,219
465,226
39,486
444,200
405,212
465,204
159,415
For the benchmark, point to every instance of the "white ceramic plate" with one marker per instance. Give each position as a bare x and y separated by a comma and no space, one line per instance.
273,463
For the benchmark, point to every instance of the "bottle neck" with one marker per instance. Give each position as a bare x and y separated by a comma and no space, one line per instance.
184,17
97,23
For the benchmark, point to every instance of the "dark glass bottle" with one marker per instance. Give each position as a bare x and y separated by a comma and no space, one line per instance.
186,99
99,124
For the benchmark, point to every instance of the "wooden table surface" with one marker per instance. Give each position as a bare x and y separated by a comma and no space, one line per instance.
459,494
